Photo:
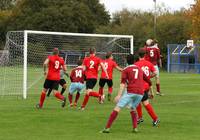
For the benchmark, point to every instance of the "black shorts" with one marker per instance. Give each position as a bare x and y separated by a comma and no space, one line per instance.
62,82
90,83
145,96
102,82
51,84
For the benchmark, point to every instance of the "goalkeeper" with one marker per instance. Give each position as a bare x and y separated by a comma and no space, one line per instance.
62,82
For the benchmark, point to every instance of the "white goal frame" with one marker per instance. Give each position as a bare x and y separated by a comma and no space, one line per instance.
26,32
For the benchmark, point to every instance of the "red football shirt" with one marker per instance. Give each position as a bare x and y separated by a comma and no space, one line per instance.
91,63
55,62
152,54
109,65
147,68
77,75
133,77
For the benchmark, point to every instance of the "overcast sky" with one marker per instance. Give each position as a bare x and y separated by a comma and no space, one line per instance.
117,5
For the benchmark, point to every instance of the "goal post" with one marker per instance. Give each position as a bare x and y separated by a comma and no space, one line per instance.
25,52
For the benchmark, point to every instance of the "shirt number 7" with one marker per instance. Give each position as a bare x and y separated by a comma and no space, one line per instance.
136,73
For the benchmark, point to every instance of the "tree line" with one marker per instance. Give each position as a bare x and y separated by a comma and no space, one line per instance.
90,16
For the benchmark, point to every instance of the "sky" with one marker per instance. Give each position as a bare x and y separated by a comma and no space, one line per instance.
117,5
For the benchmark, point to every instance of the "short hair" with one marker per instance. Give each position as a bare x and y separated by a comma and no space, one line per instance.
55,51
79,62
92,50
141,52
130,59
108,54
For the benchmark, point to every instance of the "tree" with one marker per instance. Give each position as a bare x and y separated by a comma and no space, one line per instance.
7,4
63,15
194,15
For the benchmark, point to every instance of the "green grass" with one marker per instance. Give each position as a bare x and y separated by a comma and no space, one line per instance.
178,111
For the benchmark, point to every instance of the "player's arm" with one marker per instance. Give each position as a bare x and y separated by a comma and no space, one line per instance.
122,86
119,68
45,65
120,91
104,69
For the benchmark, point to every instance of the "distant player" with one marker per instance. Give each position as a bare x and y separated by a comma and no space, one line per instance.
153,56
132,78
149,71
91,65
62,82
110,65
53,63
77,78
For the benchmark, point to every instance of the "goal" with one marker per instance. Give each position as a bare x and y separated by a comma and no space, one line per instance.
25,51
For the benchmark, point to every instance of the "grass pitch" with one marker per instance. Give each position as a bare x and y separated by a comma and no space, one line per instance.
178,110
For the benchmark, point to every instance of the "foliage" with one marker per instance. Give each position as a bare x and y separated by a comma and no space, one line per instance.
194,15
61,16
171,27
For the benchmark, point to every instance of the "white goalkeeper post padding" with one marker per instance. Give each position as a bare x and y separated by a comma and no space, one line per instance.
25,51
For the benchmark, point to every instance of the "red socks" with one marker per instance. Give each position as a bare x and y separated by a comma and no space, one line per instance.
134,118
77,97
94,94
70,98
112,117
42,98
139,110
110,90
59,96
101,91
86,98
158,87
151,112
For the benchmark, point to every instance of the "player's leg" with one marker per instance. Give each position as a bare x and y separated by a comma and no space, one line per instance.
76,98
49,92
101,86
124,101
81,87
110,89
139,107
63,83
90,83
72,89
157,78
57,93
136,99
151,112
47,85
139,112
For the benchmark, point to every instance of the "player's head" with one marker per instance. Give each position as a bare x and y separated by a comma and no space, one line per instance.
149,42
141,53
79,62
55,51
92,50
130,59
109,55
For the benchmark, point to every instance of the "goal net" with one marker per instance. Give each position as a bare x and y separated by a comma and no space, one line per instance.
25,51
